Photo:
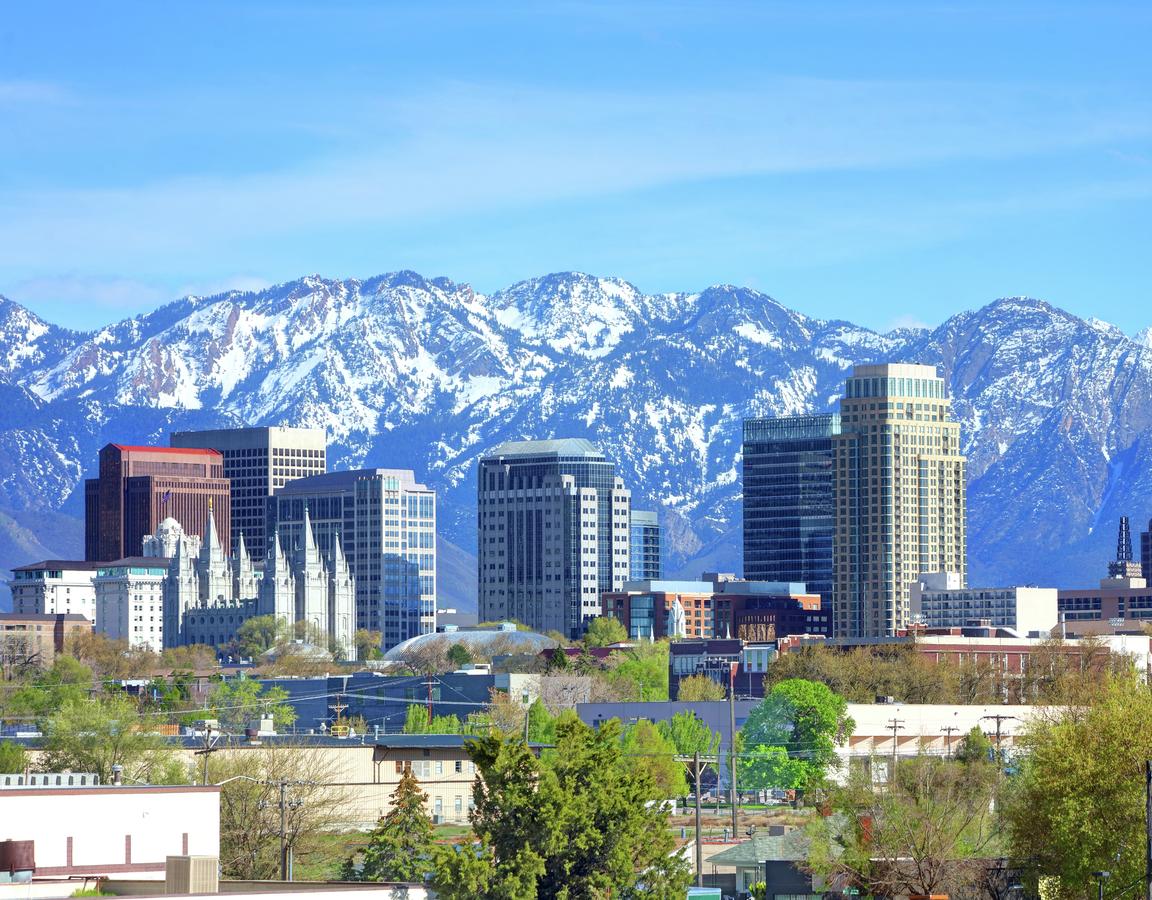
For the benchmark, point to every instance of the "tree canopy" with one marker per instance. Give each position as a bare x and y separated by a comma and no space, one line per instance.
700,688
1077,804
604,630
575,826
95,735
400,847
789,739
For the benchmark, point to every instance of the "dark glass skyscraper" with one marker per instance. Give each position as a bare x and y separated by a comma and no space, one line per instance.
645,563
789,514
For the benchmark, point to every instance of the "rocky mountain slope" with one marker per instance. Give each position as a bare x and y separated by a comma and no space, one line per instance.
428,374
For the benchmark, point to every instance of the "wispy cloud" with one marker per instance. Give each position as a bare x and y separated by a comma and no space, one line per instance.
465,148
13,92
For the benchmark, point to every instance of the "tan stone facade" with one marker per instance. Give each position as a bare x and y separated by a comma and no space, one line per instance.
900,495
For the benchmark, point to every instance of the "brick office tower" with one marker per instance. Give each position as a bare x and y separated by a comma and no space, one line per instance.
139,487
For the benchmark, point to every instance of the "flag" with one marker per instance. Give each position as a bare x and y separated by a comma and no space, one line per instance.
167,496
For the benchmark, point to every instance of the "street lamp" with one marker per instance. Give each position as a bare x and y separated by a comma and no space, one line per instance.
1100,877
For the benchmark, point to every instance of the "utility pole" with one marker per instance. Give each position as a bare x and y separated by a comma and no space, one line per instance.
209,748
949,730
699,849
896,725
732,742
1000,720
283,830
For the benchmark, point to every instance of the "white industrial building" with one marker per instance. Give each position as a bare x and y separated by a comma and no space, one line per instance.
124,831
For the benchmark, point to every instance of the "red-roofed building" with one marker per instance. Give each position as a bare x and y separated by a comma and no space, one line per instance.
139,487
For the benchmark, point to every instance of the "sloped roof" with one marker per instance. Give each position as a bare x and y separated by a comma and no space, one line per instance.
792,846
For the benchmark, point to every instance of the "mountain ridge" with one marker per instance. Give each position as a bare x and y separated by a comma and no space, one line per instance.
427,373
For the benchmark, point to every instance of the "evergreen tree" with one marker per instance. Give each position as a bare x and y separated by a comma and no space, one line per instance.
576,826
459,655
400,847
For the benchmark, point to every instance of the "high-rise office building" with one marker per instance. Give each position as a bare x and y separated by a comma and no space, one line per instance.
1146,553
386,524
139,487
553,533
257,461
900,495
789,498
645,551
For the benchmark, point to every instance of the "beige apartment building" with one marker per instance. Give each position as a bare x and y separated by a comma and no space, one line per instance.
899,495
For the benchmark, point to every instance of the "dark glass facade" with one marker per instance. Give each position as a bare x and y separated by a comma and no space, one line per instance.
789,481
644,548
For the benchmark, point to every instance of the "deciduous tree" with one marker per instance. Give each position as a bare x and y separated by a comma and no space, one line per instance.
1077,804
604,630
250,811
647,750
700,688
95,735
804,718
930,831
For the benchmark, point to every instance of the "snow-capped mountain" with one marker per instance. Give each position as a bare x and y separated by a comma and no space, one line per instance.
428,374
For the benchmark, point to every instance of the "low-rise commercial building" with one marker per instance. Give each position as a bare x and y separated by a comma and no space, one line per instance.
939,600
34,639
717,606
715,659
106,830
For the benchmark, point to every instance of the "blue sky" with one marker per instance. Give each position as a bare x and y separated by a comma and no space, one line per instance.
887,163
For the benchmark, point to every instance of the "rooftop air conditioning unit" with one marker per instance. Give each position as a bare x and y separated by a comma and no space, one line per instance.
192,875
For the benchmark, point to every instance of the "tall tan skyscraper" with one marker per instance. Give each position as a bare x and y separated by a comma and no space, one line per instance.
900,495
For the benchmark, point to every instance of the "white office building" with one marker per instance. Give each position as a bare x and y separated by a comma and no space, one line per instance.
130,601
937,600
55,587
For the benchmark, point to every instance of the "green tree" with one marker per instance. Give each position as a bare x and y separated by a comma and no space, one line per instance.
646,749
13,758
68,680
238,701
604,630
688,735
400,847
700,688
575,827
1077,804
931,830
95,735
541,724
417,720
804,718
260,633
974,747
642,672
459,655
367,644
558,660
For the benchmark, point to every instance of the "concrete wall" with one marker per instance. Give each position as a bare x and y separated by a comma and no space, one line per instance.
112,830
